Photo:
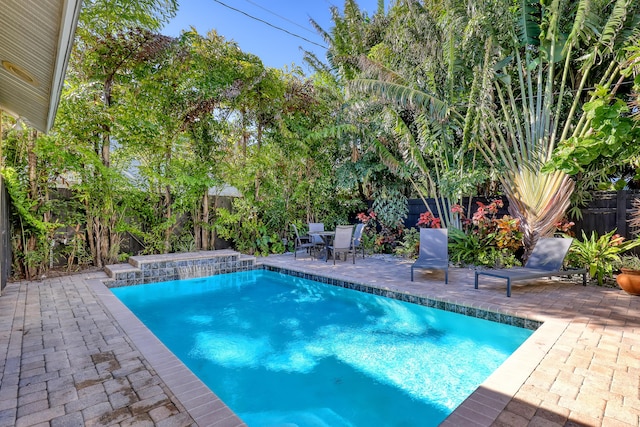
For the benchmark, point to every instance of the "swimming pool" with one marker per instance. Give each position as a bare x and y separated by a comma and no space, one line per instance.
283,350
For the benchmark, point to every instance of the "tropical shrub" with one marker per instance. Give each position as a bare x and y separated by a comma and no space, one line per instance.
385,236
409,246
428,220
485,238
247,232
600,254
464,249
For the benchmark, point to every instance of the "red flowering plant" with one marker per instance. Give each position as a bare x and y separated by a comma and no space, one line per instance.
428,220
564,226
486,238
381,237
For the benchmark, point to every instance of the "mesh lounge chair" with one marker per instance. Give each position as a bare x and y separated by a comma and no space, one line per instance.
357,239
302,242
545,260
342,242
434,253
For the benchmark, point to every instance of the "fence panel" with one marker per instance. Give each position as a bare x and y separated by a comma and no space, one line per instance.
608,210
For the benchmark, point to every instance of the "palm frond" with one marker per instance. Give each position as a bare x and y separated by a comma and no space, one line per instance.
377,71
614,25
321,31
538,200
314,62
584,28
403,96
528,24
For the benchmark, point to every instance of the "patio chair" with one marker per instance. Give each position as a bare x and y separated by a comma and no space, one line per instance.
316,226
317,240
545,260
342,242
302,242
434,251
357,239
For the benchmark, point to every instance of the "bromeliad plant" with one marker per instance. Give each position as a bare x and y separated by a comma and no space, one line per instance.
600,254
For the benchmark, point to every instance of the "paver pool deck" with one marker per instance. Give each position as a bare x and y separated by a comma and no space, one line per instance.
72,355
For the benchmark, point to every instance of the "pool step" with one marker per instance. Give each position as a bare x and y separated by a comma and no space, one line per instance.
161,268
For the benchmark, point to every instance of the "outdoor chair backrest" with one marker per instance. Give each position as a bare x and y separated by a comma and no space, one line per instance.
433,244
316,226
357,235
342,239
548,254
295,229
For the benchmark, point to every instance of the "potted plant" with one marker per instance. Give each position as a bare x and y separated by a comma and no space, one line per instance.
629,278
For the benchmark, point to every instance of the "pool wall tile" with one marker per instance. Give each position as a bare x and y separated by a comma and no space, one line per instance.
166,267
149,269
414,299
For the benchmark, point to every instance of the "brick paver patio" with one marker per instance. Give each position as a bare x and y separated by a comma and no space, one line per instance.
72,355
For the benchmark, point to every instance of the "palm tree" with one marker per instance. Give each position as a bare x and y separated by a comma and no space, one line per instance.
425,86
537,107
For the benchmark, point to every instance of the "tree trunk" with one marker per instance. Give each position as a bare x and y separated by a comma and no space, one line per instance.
106,129
32,165
205,220
197,228
90,238
112,245
97,236
169,228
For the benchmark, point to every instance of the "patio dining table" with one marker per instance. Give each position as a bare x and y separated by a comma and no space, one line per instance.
326,237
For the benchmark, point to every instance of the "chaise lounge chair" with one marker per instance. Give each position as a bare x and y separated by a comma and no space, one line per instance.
545,261
434,253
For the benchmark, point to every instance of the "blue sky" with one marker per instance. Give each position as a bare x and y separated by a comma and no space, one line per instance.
276,48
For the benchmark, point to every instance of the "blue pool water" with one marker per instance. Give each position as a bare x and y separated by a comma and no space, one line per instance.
286,351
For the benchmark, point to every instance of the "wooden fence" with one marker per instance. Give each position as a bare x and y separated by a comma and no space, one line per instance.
607,211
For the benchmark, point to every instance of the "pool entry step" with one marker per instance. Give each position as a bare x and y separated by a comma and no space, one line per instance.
161,268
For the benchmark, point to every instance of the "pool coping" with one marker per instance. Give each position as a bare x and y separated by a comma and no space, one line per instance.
204,406
481,408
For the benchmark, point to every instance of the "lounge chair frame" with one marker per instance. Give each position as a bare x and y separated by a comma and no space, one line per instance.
546,260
